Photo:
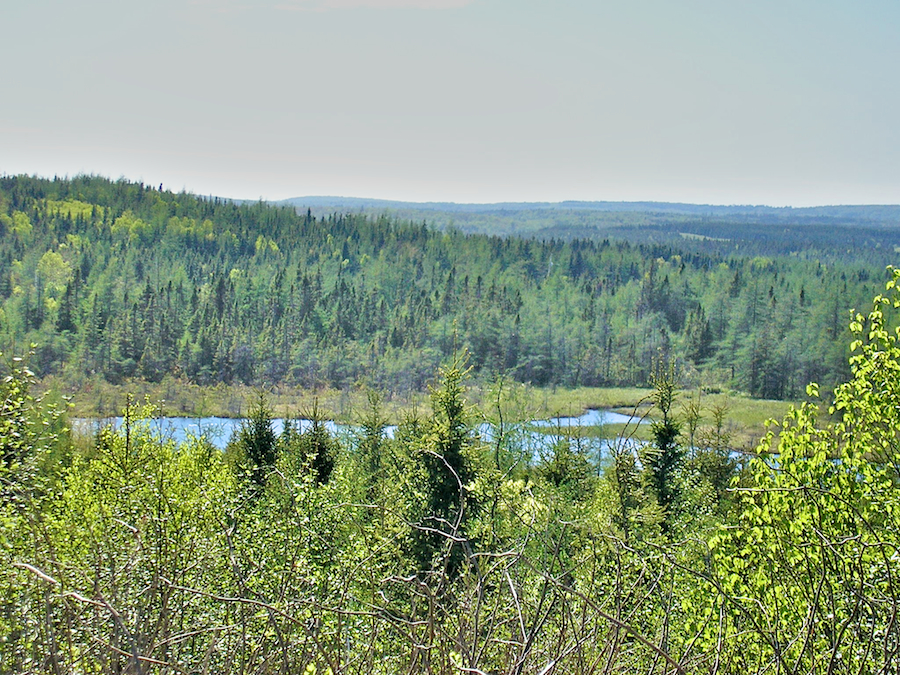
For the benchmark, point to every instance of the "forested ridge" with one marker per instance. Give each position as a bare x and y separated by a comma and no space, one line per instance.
120,280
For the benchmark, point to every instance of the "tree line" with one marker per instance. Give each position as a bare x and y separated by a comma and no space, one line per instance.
119,280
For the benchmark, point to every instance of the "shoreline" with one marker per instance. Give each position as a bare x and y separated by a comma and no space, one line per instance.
98,399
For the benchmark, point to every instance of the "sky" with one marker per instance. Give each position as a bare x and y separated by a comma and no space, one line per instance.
778,102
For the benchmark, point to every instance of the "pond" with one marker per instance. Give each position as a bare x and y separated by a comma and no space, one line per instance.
534,439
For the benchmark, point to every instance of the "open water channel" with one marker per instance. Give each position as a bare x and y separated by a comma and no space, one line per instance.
533,439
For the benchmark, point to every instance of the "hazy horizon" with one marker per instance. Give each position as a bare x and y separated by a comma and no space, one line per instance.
466,101
579,201
356,198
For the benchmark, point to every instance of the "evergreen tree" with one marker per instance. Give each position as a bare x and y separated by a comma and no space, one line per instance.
256,439
662,459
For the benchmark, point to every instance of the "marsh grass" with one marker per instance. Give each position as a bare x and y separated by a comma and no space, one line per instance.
95,397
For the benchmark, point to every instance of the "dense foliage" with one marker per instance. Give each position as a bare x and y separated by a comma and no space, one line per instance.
119,280
437,551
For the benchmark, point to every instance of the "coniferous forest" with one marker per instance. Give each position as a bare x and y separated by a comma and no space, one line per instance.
120,281
437,547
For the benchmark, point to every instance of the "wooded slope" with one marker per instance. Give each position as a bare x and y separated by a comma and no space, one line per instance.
119,280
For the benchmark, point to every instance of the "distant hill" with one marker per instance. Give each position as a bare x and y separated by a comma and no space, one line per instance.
887,214
782,230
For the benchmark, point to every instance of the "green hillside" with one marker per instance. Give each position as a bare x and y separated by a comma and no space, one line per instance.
117,280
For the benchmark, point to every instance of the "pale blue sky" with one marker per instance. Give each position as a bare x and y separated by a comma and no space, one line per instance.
789,102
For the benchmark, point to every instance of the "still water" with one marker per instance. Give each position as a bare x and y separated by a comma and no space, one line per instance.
534,438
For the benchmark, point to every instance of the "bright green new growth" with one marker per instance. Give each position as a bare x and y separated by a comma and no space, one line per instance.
809,568
434,551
